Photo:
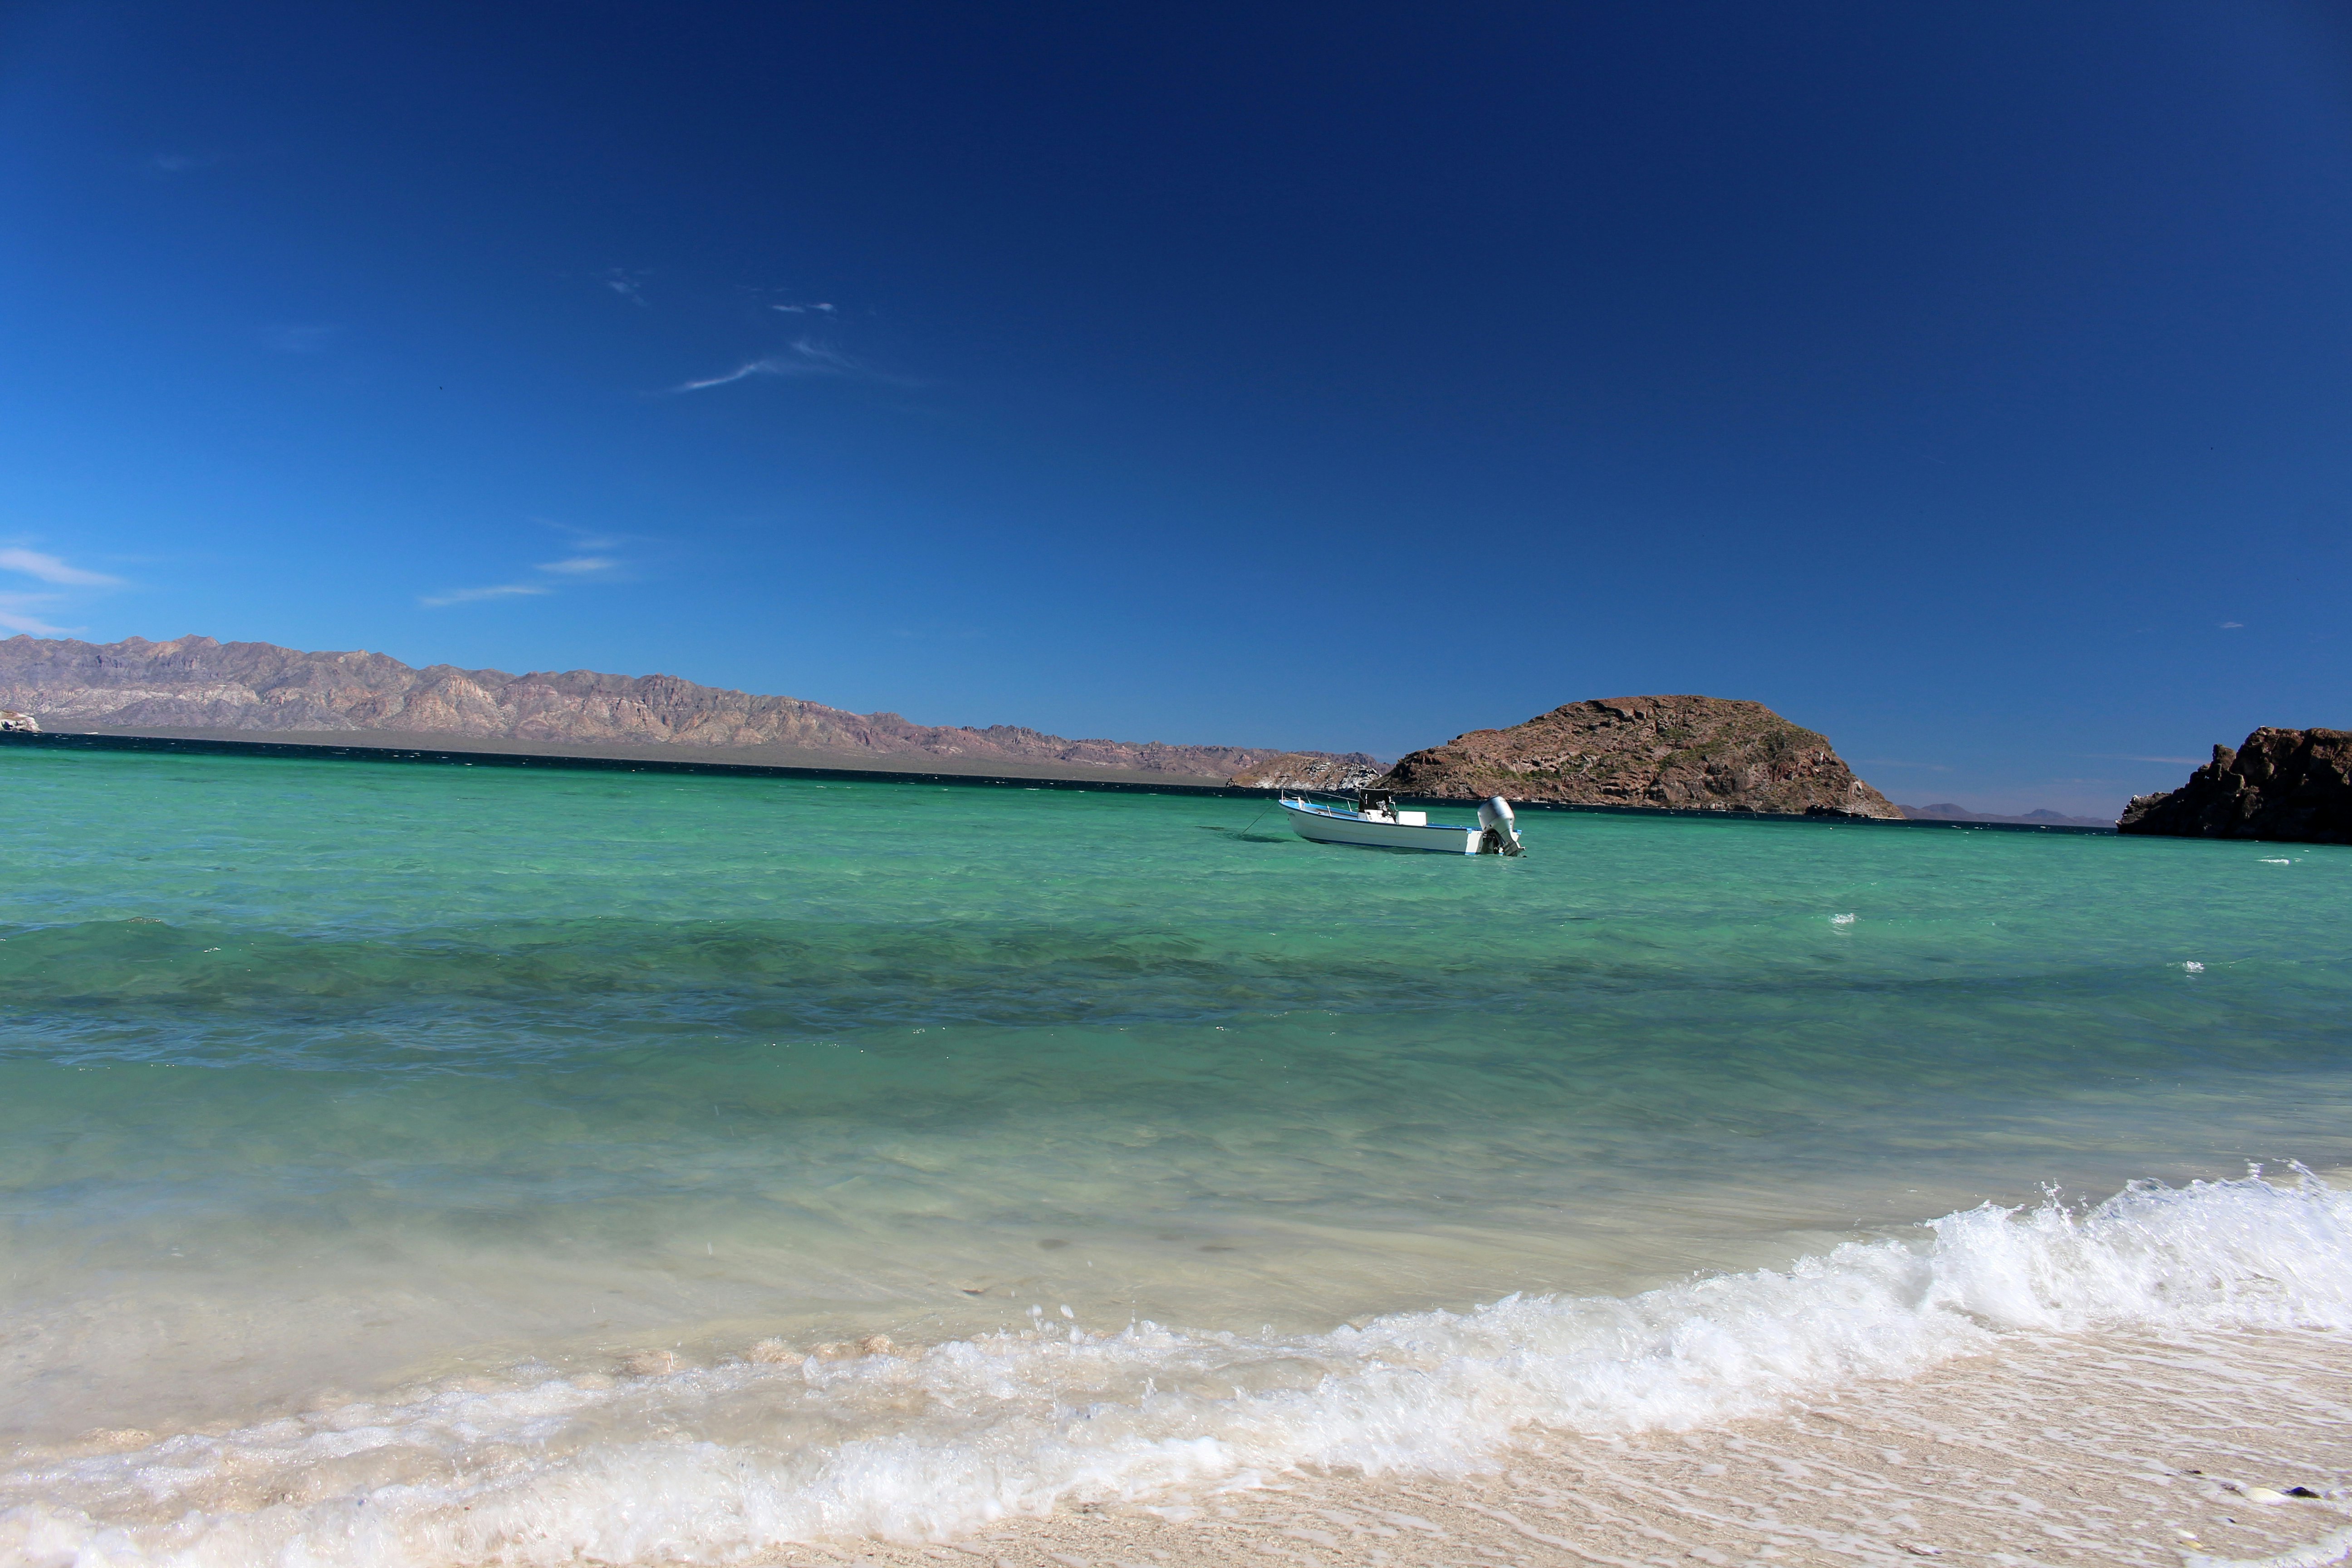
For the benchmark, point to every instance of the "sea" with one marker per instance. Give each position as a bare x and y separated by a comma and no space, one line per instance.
432,1164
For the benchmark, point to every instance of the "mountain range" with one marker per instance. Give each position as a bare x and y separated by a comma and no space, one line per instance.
1661,752
196,686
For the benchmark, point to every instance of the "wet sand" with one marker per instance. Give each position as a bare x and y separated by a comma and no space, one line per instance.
2107,1450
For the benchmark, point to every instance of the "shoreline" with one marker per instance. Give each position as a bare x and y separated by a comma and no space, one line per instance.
383,746
482,751
2176,1403
2133,1449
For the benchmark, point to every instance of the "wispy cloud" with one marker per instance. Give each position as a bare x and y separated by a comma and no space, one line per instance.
590,561
29,613
755,367
2233,625
16,613
804,309
50,569
629,285
474,596
807,360
301,337
180,163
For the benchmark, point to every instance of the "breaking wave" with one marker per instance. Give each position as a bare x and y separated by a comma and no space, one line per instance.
708,1463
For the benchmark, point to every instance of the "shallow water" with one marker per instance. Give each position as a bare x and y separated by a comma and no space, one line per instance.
340,1087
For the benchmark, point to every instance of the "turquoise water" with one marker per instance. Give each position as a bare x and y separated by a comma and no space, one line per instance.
324,1082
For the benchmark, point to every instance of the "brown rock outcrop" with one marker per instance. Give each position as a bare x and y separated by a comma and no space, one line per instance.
2293,785
1318,770
196,683
1688,754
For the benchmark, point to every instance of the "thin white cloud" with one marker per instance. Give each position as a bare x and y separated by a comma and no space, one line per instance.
807,360
474,596
2233,625
576,568
16,614
50,569
628,285
803,309
756,367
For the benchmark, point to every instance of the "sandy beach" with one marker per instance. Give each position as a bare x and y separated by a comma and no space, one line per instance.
2115,1450
424,1167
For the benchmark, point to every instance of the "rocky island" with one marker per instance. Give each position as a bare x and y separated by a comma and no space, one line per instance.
1686,753
2293,785
196,687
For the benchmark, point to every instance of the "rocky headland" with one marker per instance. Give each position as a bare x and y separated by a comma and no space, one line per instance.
2293,785
1684,753
194,685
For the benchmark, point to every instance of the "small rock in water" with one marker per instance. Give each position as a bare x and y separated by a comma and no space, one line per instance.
650,1363
2301,1491
771,1351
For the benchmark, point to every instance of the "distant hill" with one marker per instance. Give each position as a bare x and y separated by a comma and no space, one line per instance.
1945,811
194,685
1683,752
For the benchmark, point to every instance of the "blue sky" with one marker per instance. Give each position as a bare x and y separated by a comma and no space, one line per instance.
1971,382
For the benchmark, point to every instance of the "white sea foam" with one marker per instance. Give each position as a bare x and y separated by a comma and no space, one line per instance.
705,1463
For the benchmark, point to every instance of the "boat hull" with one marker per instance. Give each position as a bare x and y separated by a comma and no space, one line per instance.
1326,827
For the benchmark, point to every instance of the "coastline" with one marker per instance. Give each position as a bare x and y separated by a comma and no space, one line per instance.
2111,1448
754,761
860,1068
2155,1449
788,761
2160,1380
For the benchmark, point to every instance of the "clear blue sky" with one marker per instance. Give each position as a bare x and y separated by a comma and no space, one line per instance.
1971,382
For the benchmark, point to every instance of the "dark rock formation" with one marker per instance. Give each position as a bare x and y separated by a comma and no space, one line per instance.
2289,784
15,723
196,683
1692,753
1311,770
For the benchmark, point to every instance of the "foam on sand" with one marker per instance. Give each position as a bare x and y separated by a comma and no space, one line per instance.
705,1463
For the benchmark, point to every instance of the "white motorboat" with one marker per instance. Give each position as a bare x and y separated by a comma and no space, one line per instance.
1375,823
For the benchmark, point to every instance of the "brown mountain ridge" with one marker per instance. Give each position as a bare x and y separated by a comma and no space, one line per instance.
194,684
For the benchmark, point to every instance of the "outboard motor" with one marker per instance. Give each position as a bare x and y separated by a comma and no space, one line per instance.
1502,836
